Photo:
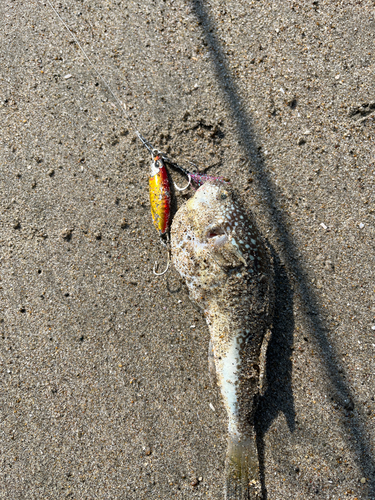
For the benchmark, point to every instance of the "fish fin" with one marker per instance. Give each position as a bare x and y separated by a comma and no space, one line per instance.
242,481
211,365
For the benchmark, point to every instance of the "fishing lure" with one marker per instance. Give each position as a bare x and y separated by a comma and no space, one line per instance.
160,196
160,202
160,193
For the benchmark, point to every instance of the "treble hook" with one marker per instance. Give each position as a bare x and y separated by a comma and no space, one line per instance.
166,269
183,188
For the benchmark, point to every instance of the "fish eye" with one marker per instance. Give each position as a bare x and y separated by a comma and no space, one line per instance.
223,196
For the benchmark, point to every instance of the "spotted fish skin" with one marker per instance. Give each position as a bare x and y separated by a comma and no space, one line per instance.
225,262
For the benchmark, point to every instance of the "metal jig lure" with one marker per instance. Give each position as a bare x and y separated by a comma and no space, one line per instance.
160,202
160,193
160,197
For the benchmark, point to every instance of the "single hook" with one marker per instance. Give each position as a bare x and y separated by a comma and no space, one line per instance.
185,187
166,269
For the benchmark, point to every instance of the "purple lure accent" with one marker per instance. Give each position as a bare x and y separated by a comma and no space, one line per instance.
200,179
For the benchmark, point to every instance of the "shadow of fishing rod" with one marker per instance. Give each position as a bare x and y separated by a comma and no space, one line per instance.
314,322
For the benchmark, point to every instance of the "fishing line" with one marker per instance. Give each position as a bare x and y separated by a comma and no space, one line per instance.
121,106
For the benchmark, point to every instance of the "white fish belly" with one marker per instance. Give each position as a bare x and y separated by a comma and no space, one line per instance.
227,373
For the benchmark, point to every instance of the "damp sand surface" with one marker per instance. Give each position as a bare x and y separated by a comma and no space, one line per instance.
105,391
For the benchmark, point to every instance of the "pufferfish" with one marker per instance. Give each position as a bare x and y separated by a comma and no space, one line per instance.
227,267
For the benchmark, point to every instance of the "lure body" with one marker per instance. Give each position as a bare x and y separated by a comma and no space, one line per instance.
160,197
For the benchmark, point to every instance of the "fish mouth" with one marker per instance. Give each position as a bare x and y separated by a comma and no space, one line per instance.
216,235
223,247
214,231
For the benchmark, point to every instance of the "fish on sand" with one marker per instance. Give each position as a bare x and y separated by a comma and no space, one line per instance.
218,250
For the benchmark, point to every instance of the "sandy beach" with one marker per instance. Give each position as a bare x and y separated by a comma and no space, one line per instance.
104,384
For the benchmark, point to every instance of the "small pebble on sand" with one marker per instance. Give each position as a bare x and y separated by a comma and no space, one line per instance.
66,234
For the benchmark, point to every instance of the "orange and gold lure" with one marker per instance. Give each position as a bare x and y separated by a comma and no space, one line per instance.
160,201
160,193
160,197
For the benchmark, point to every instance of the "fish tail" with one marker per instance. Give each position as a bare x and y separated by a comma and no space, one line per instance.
242,470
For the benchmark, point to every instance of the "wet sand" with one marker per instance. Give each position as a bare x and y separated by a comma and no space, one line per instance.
105,391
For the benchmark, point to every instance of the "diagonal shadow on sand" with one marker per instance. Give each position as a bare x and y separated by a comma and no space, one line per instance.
353,428
278,396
